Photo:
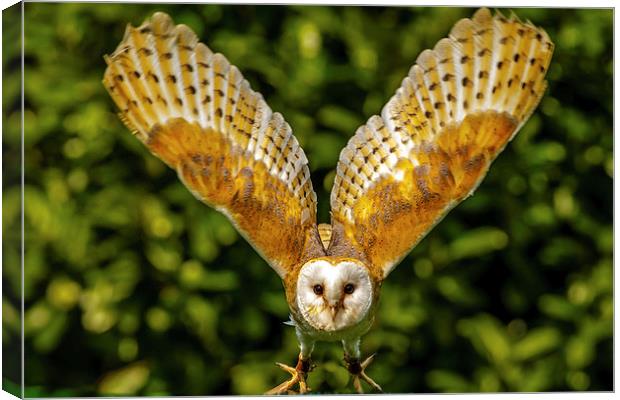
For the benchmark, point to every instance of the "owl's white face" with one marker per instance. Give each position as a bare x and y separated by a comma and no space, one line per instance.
333,296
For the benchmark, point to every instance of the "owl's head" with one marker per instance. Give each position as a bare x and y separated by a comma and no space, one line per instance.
334,293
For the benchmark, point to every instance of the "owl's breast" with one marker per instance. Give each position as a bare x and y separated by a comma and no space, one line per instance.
326,335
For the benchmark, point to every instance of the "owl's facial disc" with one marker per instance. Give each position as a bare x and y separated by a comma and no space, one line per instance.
333,295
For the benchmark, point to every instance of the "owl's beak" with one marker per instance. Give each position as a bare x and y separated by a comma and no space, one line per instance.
334,308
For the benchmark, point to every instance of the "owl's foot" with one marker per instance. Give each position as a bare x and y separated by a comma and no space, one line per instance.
357,371
299,375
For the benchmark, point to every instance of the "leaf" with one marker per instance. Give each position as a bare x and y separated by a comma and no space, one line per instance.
537,342
579,352
477,242
125,381
488,336
447,381
558,307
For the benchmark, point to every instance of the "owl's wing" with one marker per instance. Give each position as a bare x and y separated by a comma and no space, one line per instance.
435,139
194,110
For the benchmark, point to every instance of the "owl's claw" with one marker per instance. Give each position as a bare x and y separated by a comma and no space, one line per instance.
299,375
357,371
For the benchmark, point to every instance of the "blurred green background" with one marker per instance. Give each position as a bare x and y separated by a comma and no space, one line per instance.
133,287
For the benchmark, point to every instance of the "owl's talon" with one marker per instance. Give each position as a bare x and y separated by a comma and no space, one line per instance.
298,376
357,371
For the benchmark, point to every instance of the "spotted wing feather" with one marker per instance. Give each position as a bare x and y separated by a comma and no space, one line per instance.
437,136
194,110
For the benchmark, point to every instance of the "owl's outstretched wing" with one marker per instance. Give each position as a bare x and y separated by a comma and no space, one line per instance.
194,110
436,137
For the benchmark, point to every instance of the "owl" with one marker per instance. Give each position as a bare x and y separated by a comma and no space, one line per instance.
397,177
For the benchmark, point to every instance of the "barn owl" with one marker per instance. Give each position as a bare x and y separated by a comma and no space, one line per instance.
397,177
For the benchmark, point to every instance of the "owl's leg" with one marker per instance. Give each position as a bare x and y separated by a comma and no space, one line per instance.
300,372
356,368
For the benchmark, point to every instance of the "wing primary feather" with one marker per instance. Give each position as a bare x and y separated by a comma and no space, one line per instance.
135,39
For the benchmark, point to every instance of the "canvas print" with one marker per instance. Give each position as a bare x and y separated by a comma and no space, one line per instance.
235,199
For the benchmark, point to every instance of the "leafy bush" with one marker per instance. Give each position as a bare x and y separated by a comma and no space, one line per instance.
133,287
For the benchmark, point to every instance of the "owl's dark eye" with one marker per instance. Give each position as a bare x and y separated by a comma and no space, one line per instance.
349,288
318,290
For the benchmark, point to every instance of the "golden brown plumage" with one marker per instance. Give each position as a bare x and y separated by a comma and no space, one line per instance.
193,110
436,138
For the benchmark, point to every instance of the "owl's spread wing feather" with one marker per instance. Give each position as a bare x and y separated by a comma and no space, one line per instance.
194,110
437,136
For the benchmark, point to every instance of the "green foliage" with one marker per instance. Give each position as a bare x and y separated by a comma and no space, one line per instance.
133,287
